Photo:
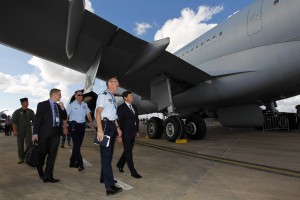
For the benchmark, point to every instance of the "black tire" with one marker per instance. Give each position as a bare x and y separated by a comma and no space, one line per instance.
155,128
173,128
195,127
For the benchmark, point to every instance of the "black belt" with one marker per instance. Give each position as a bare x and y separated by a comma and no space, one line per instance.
107,120
83,123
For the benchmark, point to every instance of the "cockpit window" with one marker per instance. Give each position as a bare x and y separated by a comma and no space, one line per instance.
276,2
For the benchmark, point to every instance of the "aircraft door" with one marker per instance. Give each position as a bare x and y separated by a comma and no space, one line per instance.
254,23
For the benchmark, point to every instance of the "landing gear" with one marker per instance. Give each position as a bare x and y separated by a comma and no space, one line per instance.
195,127
155,128
173,128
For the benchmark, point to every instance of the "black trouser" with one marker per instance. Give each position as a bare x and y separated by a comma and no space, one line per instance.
128,140
77,131
48,147
106,153
6,129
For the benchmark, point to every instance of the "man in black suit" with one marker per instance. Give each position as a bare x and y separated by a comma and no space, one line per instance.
49,124
129,124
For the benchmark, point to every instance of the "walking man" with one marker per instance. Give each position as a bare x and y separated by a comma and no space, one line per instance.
77,111
129,124
106,118
50,122
22,120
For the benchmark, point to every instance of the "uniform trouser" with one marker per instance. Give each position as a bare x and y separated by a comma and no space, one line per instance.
27,137
48,147
106,154
128,143
77,131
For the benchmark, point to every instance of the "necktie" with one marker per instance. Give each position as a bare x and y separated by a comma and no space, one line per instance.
130,106
56,115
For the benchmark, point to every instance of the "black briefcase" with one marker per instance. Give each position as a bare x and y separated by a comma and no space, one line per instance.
32,155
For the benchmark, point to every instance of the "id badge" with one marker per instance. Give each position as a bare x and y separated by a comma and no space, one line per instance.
57,119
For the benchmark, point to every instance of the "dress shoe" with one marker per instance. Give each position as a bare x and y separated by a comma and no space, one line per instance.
113,190
51,180
136,175
20,161
69,143
62,146
120,169
102,181
81,168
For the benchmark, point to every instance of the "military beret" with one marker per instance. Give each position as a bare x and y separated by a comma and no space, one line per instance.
23,99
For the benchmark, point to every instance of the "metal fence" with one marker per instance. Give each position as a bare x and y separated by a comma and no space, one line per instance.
276,123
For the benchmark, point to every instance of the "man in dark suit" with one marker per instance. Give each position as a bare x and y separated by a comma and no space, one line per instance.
129,124
49,124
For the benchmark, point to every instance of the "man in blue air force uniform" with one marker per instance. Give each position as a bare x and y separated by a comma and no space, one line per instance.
106,118
77,111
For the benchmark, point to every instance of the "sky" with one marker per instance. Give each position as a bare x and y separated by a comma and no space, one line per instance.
24,75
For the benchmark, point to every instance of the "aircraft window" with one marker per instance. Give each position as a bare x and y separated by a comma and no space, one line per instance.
197,47
192,50
202,44
214,37
207,40
221,33
275,2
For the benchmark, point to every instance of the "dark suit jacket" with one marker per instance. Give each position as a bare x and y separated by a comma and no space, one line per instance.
43,122
129,122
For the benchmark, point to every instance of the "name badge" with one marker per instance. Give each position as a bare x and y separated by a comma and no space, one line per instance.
56,119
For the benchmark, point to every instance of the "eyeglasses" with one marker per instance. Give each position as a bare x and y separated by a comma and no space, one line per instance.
79,95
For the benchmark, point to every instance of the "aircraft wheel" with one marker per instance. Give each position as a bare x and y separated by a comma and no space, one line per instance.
155,128
173,128
195,127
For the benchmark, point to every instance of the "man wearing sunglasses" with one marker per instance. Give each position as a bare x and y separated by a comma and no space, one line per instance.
77,111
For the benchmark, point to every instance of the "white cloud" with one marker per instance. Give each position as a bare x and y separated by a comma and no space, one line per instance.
57,76
53,73
22,84
88,6
187,27
141,28
288,105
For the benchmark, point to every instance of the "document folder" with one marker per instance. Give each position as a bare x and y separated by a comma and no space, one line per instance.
104,142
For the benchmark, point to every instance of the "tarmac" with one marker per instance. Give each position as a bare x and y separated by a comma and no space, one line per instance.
229,164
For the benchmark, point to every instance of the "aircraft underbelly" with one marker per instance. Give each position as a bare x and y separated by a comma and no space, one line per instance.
250,77
289,58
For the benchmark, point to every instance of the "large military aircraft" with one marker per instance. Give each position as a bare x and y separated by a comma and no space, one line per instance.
252,59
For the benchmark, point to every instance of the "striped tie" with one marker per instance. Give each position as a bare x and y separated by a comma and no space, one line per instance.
56,115
130,106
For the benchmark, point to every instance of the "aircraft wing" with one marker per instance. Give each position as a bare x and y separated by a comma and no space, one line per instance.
40,28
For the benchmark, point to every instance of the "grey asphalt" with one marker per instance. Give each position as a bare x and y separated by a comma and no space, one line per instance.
169,174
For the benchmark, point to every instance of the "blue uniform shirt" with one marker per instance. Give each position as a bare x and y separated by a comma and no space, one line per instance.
108,102
77,112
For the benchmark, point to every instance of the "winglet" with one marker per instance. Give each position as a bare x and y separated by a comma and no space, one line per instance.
75,16
148,54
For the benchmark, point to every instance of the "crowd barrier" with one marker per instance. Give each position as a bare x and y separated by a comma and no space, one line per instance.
276,123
